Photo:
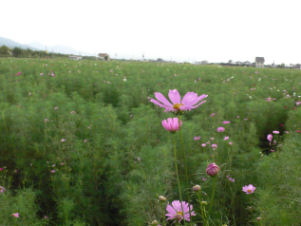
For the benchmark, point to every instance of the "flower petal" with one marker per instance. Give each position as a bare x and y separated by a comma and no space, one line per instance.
162,99
174,96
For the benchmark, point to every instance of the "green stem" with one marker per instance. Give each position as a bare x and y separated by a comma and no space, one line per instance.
177,172
185,166
163,214
212,194
203,211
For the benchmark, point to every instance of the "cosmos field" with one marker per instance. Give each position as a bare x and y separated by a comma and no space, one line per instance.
82,143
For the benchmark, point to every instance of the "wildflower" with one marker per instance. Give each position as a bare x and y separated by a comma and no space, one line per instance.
230,143
214,146
298,103
204,179
258,218
230,179
211,138
226,122
52,171
52,74
179,211
190,101
197,138
204,145
2,189
18,73
172,124
212,169
41,74
220,129
226,138
16,215
298,131
1,169
63,140
275,132
212,114
196,187
270,137
248,189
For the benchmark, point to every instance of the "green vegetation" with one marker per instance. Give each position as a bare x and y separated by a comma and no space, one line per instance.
81,144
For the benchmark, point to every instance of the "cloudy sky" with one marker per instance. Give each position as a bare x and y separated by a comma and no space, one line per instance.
190,30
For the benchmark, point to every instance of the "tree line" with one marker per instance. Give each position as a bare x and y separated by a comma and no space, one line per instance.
19,52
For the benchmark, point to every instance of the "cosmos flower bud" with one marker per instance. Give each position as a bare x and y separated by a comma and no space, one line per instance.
154,223
212,169
204,203
196,187
172,124
162,198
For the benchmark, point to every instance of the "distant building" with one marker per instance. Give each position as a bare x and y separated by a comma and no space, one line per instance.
103,56
73,57
259,61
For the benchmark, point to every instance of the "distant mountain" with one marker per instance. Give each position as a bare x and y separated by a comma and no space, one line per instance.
38,46
12,44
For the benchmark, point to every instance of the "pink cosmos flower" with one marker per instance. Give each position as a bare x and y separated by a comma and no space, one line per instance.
41,74
52,171
204,145
197,138
230,179
226,122
179,210
276,132
230,143
172,124
269,99
212,114
270,137
214,146
16,215
18,73
1,169
226,138
220,129
298,103
248,189
2,189
190,101
212,169
63,140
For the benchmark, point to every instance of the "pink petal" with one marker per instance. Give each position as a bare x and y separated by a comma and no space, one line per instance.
162,99
174,96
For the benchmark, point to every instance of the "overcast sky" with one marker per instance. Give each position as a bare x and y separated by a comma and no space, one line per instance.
190,30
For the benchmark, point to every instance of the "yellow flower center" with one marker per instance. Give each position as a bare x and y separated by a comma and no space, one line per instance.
177,106
249,190
180,213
